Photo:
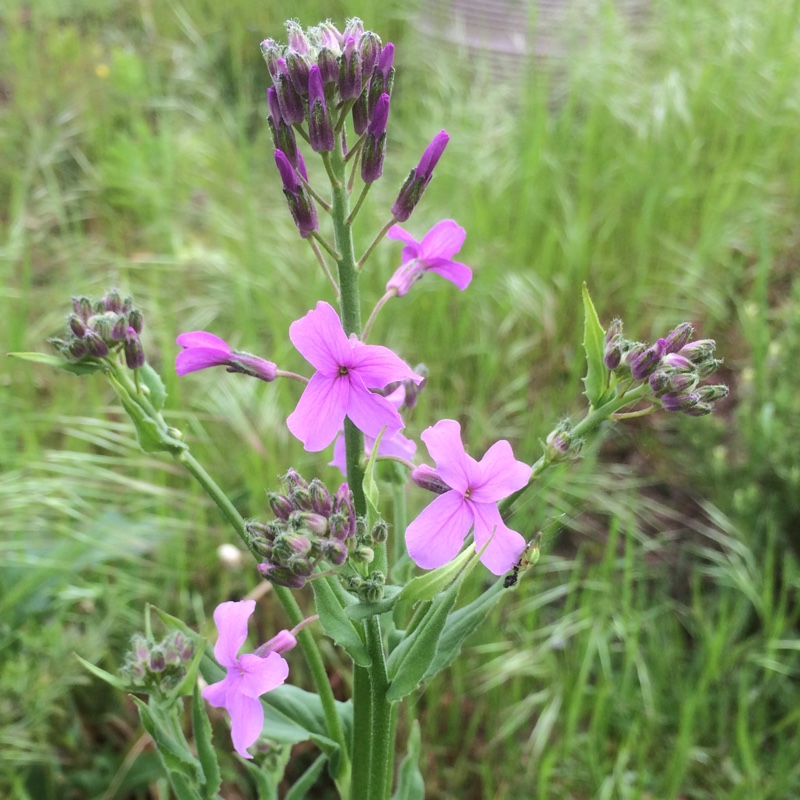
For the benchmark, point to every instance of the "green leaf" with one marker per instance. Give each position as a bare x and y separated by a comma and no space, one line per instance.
410,785
427,586
337,624
460,625
60,363
182,788
113,680
152,380
358,611
206,755
176,755
410,660
301,786
267,776
594,346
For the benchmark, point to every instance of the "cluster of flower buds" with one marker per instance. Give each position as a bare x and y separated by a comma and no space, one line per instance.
311,526
157,667
673,367
98,328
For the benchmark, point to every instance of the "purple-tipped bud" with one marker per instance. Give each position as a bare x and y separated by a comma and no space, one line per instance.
281,576
335,552
559,441
83,307
350,82
710,394
296,38
330,38
677,361
134,352
382,78
429,479
698,351
301,206
328,65
136,320
370,48
359,113
679,402
340,526
140,649
380,531
95,346
247,364
354,28
119,329
158,661
78,326
312,522
280,505
299,69
274,106
280,643
113,301
644,363
301,498
293,480
290,101
699,410
419,177
77,350
375,143
271,51
668,381
321,500
678,337
320,127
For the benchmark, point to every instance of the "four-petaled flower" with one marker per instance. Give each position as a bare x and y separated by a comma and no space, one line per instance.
202,350
436,535
249,675
346,370
433,254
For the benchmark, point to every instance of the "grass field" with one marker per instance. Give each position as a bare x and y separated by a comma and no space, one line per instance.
654,651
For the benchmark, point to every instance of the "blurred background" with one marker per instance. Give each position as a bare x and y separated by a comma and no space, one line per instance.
647,148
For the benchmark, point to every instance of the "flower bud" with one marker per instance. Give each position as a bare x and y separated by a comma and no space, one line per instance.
679,402
418,179
300,566
382,78
314,523
380,531
271,51
329,37
282,134
678,337
290,101
301,498
364,554
321,501
280,643
113,301
350,84
280,505
134,352
644,362
339,525
320,127
375,143
335,552
710,394
254,366
677,361
354,28
82,306
136,320
298,42
95,346
301,206
369,47
359,114
293,479
698,351
158,661
429,479
77,325
299,69
281,576
328,66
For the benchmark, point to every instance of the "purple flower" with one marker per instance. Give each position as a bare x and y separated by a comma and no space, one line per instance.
433,253
436,535
397,445
203,350
249,675
346,370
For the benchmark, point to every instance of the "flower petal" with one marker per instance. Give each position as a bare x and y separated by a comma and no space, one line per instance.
262,674
247,722
370,412
501,474
377,366
402,235
443,441
397,445
202,339
436,535
453,271
196,358
506,546
217,693
320,412
231,621
320,339
339,459
443,240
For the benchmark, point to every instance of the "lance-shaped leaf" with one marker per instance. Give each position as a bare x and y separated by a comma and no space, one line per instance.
60,363
593,345
337,624
206,755
306,781
152,380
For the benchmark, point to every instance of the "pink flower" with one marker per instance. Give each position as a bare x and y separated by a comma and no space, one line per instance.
346,370
436,535
249,675
432,254
202,350
397,445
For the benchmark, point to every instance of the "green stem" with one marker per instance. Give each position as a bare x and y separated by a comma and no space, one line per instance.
594,418
361,752
381,233
381,741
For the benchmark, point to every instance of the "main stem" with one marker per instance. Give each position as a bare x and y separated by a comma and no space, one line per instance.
372,746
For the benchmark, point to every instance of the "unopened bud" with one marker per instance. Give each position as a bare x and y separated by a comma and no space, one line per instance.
280,505
321,501
678,337
335,552
364,554
429,479
281,576
380,531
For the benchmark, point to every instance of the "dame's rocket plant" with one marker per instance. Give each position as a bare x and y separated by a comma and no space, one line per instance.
330,99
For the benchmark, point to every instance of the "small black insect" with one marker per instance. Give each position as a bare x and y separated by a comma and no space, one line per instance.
529,557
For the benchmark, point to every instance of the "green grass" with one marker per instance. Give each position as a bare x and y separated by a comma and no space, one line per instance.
653,653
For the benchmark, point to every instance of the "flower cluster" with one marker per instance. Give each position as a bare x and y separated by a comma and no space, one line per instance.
673,367
157,667
98,328
311,526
